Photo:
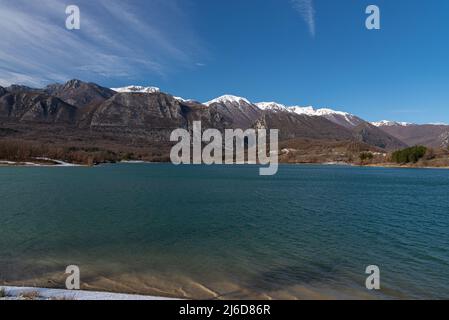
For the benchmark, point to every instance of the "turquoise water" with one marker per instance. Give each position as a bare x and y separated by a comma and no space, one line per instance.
207,232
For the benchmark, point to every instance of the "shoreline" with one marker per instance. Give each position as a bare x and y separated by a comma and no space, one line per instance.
63,164
44,162
398,166
37,293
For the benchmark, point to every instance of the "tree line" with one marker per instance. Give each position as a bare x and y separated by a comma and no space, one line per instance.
409,155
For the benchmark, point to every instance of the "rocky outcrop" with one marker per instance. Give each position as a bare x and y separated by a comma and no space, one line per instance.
80,94
33,107
18,88
139,110
444,138
2,91
371,135
240,111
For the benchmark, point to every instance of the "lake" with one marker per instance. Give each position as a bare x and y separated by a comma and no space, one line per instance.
225,232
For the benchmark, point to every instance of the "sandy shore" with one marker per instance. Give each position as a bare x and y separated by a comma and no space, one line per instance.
398,166
29,293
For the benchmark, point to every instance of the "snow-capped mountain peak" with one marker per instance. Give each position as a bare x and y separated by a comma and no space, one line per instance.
343,118
137,89
228,99
271,106
327,111
309,111
387,123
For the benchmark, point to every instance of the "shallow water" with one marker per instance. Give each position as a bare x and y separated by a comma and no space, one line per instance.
225,232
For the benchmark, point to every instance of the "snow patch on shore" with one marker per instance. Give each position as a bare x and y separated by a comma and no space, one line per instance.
58,163
14,293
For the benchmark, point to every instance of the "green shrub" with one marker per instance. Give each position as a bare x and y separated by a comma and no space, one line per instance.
409,155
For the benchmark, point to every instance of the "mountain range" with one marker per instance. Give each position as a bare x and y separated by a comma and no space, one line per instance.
430,135
81,113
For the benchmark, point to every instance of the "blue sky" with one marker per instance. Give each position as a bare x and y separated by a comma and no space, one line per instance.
296,52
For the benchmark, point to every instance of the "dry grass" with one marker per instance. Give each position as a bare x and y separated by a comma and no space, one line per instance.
322,151
64,298
95,152
32,295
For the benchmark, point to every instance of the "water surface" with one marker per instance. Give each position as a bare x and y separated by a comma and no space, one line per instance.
225,232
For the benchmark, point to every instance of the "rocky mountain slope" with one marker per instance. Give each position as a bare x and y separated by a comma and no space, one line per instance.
32,107
243,113
292,126
357,128
369,134
79,94
2,91
80,113
431,135
341,118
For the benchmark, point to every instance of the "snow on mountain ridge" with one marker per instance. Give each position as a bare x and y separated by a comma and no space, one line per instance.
327,111
228,98
180,99
339,117
271,106
308,111
387,123
137,89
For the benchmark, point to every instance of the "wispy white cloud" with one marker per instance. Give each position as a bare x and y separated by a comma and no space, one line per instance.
307,11
118,40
